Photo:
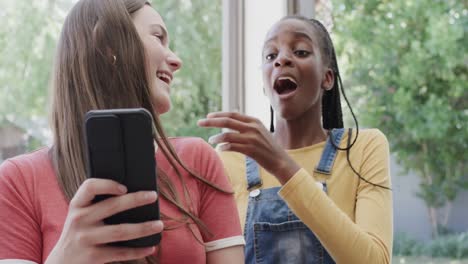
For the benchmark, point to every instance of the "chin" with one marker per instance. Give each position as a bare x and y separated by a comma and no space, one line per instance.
162,103
163,108
288,114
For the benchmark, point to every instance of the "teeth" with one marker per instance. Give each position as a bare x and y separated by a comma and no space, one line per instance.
286,78
163,75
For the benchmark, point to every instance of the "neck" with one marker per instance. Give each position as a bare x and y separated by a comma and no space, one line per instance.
300,132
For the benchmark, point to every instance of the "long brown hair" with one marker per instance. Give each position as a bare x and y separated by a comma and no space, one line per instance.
100,64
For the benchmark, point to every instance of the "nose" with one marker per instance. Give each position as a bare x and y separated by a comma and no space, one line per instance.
283,59
175,63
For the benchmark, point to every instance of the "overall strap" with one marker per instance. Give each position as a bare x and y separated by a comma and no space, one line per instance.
252,173
329,152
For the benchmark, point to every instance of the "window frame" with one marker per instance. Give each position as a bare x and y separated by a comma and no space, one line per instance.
233,49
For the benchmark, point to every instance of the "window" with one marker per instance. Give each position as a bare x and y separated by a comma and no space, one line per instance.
245,25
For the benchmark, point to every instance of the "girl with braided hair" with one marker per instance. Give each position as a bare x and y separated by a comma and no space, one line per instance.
308,190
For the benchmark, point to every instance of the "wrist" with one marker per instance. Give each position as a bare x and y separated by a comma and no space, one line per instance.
287,169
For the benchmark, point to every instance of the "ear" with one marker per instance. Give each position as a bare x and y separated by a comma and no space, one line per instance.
111,55
328,79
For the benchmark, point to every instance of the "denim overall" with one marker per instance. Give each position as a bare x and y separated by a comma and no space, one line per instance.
273,233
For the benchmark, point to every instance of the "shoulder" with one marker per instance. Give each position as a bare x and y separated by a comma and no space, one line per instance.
20,204
22,178
374,136
230,158
195,152
372,148
198,155
26,165
190,146
368,137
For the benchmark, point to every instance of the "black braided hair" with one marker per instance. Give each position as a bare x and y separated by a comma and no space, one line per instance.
272,124
332,116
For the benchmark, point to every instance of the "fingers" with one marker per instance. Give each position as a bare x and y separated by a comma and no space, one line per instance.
242,148
246,149
92,187
233,115
231,120
234,142
113,233
224,122
229,137
121,203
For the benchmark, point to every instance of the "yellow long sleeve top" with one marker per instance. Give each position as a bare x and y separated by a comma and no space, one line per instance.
354,221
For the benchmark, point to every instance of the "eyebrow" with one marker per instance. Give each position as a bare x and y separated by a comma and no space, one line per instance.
297,35
158,26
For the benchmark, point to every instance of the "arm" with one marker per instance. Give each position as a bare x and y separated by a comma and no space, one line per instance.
230,255
16,261
86,237
20,240
83,235
371,232
252,140
219,212
366,240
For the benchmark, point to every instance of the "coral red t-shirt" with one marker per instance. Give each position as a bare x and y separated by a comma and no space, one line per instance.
33,208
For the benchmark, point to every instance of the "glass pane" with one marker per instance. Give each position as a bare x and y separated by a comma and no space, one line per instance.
260,15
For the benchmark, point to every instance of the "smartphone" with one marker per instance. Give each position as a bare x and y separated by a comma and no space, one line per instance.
120,147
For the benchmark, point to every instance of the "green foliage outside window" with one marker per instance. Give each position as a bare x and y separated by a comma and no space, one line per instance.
195,32
407,69
28,37
29,34
454,246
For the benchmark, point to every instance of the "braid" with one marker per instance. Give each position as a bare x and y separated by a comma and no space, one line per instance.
332,116
331,106
331,109
331,103
272,123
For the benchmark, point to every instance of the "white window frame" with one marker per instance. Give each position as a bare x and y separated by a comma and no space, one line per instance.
233,56
304,8
233,60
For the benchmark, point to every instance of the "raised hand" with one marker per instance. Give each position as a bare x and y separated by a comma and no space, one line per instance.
252,139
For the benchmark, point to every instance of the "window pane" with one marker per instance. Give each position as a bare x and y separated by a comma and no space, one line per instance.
260,15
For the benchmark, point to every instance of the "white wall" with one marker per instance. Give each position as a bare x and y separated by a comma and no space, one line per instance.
410,213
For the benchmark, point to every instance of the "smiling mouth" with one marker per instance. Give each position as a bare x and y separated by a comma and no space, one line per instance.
164,77
285,85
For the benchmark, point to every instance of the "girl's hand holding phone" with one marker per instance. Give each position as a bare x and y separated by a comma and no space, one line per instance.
85,237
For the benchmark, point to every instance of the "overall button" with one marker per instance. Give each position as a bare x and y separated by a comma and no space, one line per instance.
254,193
320,185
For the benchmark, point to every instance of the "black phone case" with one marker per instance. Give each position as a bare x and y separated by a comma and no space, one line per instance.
120,147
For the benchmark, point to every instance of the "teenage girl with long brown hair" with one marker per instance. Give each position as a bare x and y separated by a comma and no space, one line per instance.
114,54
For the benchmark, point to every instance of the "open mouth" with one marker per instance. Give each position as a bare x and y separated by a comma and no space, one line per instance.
167,78
285,85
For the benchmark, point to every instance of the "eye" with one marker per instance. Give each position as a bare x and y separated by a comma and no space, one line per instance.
270,56
161,37
301,53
